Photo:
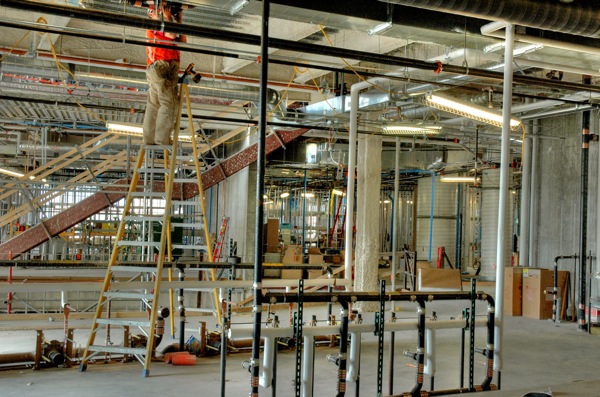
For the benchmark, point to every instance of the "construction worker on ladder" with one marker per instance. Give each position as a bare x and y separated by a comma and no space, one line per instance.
162,75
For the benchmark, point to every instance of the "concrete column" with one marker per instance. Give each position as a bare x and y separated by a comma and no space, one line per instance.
367,217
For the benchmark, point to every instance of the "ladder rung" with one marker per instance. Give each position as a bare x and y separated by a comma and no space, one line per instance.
148,194
138,243
121,322
199,310
128,295
188,224
118,349
152,170
141,218
185,180
152,148
177,202
190,246
132,269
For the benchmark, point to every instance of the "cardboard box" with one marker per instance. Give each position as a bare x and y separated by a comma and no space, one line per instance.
438,280
294,274
315,259
424,265
271,235
537,291
292,255
513,291
315,273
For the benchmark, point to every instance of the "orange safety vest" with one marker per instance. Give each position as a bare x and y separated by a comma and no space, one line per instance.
160,54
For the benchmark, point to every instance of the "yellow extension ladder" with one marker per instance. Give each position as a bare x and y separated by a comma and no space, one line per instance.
139,283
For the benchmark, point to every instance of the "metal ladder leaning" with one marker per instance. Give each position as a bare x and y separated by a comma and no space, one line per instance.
116,287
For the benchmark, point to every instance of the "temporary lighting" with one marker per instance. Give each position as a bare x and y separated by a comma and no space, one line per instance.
378,29
285,194
337,192
135,130
458,179
411,129
237,7
469,110
11,173
308,195
526,49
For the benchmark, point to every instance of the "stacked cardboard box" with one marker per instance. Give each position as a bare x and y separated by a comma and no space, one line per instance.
513,291
271,235
537,291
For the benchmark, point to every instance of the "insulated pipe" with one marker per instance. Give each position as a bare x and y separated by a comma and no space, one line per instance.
533,214
525,199
583,211
581,19
503,193
341,385
429,368
420,354
354,357
266,372
308,368
555,314
395,213
260,186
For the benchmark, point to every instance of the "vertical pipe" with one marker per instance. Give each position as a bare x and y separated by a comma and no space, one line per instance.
502,202
10,295
458,251
308,367
223,353
349,226
431,210
416,390
270,345
585,160
395,211
533,210
429,368
525,200
392,354
354,357
260,186
341,385
304,217
181,312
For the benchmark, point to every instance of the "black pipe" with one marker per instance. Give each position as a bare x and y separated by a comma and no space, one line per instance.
420,354
182,319
487,382
585,153
260,186
555,315
392,353
341,382
242,38
273,297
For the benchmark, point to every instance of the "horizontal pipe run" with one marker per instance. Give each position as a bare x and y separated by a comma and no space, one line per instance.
399,325
166,285
286,297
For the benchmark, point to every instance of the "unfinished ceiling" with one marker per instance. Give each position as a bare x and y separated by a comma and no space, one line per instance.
68,67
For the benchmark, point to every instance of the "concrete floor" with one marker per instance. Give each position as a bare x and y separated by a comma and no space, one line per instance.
538,354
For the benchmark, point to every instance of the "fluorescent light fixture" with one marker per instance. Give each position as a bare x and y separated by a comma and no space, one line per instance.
378,29
308,195
237,7
337,192
285,194
135,130
11,173
411,129
526,49
125,129
458,179
469,110
265,196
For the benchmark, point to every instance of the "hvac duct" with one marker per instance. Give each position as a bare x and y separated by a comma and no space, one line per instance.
436,224
581,18
489,224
